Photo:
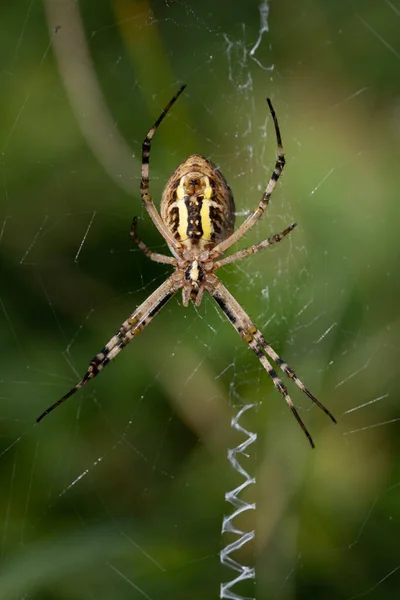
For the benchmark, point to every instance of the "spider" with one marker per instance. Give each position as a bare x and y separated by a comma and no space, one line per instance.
197,220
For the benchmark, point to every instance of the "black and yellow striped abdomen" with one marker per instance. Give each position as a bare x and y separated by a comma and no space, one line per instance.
197,204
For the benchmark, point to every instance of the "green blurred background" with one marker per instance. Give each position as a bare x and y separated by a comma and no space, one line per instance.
120,492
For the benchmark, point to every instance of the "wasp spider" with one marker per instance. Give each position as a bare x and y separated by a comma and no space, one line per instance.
197,222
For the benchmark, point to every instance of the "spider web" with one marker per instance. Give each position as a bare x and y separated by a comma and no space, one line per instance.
120,492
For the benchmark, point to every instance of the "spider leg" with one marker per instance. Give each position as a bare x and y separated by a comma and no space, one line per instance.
255,248
129,329
253,337
160,258
290,373
144,185
257,214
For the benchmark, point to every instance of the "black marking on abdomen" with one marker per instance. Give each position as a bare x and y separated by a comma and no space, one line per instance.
194,225
174,221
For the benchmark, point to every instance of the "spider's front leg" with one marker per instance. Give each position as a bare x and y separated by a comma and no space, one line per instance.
129,329
254,338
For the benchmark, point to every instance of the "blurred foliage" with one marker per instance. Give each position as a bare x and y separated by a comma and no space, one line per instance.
120,492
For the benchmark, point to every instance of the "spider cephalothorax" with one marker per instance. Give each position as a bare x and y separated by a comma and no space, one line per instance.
196,219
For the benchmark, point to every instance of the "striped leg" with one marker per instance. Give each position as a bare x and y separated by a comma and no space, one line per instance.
253,337
289,372
129,329
253,249
144,185
160,258
257,214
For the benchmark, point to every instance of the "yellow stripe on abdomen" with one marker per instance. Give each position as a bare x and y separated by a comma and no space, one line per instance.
206,222
182,209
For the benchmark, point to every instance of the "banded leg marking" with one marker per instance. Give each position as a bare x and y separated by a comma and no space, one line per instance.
155,256
255,340
129,329
257,214
144,184
255,248
287,369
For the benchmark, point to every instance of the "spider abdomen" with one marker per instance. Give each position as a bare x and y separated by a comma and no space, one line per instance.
197,204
